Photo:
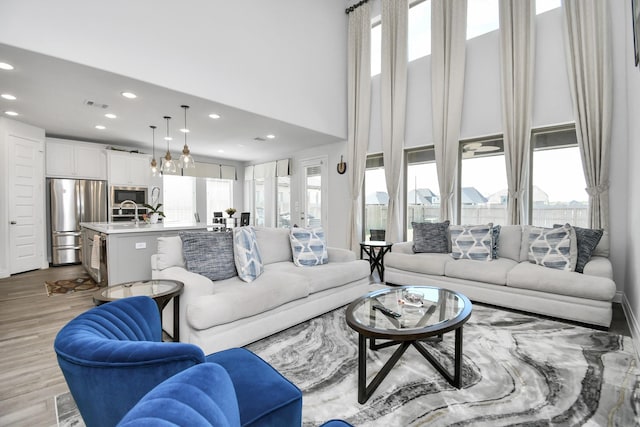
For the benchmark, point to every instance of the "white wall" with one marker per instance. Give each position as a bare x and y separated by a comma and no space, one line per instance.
631,249
284,59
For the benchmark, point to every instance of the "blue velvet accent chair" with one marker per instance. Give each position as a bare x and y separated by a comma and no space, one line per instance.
113,354
201,396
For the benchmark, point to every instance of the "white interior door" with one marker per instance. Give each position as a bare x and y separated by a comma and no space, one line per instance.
314,195
26,200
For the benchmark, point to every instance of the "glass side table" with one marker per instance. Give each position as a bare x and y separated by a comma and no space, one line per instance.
162,291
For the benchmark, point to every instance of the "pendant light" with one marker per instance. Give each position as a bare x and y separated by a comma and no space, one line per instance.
154,164
168,165
186,160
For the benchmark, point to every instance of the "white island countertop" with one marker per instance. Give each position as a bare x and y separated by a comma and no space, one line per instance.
142,227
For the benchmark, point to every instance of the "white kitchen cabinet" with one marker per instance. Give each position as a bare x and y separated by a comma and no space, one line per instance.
130,169
72,159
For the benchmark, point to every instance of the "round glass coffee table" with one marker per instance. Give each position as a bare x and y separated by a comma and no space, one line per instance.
405,316
160,290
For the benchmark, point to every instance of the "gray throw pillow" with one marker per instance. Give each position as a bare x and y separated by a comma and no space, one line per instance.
209,253
429,237
587,240
496,236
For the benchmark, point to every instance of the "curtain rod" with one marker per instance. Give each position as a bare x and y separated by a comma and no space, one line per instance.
355,6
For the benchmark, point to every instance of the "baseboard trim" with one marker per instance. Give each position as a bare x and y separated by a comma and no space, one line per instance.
618,297
634,326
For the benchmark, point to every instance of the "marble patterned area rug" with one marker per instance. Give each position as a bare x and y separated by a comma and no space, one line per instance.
518,369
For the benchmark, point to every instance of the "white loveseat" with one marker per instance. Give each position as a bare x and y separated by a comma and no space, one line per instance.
231,313
511,280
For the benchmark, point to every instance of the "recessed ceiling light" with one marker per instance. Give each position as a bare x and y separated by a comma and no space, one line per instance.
270,136
168,138
214,116
11,113
8,96
220,151
100,127
183,130
110,116
5,66
129,95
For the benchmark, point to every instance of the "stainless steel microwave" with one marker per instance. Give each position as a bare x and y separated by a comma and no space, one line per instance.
119,194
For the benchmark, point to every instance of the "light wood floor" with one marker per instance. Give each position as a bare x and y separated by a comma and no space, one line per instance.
29,321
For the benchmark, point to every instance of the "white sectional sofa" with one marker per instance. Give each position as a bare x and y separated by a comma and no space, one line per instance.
216,315
511,280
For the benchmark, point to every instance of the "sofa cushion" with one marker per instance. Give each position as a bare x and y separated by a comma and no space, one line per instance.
169,253
553,247
538,278
209,254
509,242
490,272
603,246
233,299
326,276
274,244
308,246
473,242
426,263
431,237
587,240
246,254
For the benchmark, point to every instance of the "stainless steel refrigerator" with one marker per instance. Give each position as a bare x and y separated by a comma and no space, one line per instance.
73,201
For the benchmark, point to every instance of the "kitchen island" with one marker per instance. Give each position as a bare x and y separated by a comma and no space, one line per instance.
125,249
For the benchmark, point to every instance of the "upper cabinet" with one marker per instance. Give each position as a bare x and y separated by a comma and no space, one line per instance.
130,169
72,159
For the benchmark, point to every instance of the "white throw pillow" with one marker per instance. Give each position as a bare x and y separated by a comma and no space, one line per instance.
170,252
309,246
247,254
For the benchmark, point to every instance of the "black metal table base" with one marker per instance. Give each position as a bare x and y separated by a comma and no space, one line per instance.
365,391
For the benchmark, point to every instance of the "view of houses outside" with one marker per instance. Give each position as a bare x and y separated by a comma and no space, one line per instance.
558,197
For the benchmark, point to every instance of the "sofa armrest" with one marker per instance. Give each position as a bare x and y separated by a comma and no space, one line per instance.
402,247
599,266
195,285
340,255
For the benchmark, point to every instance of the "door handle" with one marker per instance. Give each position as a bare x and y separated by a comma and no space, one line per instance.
13,222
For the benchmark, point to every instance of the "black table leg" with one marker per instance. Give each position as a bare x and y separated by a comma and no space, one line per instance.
176,318
365,391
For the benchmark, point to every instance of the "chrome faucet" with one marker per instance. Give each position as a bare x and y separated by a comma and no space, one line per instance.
134,206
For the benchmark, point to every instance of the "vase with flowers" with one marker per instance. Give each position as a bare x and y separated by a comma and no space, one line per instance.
230,212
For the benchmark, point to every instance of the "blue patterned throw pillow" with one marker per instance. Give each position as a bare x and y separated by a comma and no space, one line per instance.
553,247
309,246
209,254
247,254
472,242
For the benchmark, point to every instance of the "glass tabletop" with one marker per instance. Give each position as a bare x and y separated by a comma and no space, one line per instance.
150,288
413,308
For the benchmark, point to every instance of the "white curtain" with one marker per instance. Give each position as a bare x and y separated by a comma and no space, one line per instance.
448,42
517,53
393,99
359,113
589,57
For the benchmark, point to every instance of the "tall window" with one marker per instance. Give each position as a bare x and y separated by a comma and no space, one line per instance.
483,16
179,197
423,199
376,199
558,192
483,182
419,35
219,196
283,202
258,201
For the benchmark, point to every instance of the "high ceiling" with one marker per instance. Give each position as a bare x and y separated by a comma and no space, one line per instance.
52,94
